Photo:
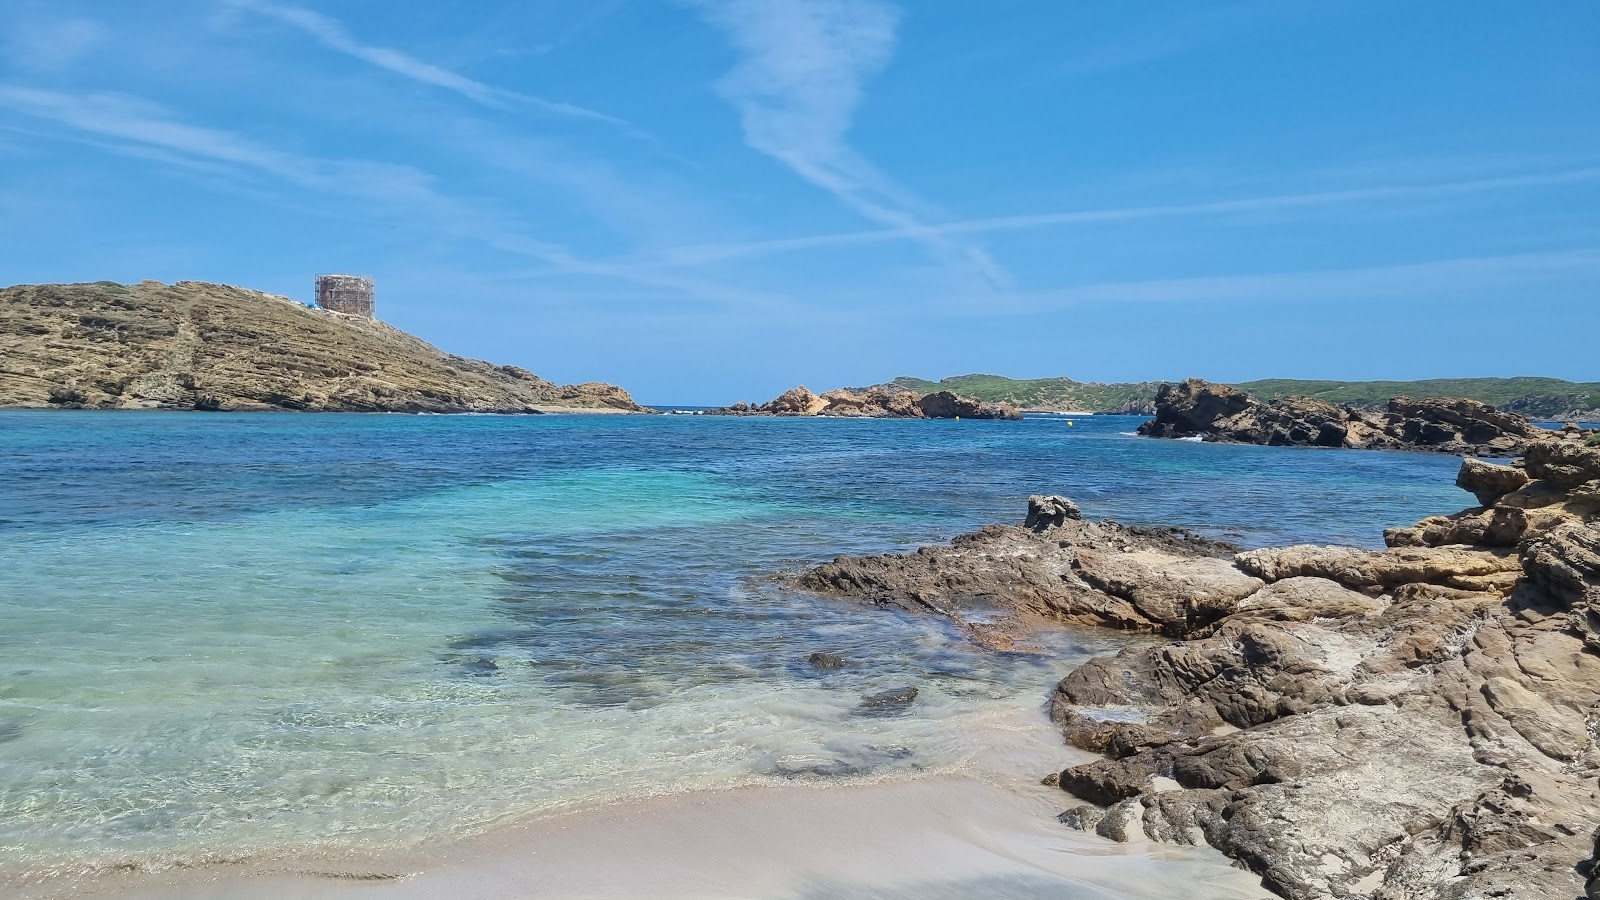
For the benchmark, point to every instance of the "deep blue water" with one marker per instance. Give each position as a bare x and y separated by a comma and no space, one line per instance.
253,631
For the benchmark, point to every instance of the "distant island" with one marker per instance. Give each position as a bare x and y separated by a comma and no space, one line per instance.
1538,398
193,345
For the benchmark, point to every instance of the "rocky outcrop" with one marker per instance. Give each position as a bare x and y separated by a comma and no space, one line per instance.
1217,412
999,581
880,402
1413,722
212,347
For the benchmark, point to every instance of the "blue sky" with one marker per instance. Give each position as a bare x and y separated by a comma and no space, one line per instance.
712,200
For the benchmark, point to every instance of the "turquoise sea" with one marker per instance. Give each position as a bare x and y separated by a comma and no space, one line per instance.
227,634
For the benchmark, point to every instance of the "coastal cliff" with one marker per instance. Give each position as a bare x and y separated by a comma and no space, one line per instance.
1414,722
193,345
878,402
1218,412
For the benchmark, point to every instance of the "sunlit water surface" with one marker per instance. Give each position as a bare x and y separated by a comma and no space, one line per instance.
226,634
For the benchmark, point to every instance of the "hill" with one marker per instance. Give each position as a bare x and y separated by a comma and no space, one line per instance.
1042,393
1534,397
193,345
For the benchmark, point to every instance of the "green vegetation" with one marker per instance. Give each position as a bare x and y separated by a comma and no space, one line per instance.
111,287
1534,397
1592,440
1040,393
1538,396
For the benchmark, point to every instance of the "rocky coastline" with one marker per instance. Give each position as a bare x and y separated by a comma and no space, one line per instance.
877,402
1419,721
198,346
1220,413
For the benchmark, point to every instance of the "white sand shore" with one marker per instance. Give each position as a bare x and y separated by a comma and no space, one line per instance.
933,837
986,832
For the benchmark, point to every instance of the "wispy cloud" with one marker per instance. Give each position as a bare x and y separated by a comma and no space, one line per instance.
49,44
697,255
1430,280
141,128
331,33
797,86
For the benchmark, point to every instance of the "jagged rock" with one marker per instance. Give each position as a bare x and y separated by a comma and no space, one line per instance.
798,401
1566,563
1005,576
1414,722
1194,407
1181,593
213,347
824,660
878,402
948,405
1083,818
1498,527
874,402
1563,464
1487,481
888,702
1304,599
1221,413
1380,569
1049,511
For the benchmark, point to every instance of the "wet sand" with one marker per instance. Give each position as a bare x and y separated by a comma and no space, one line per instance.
989,831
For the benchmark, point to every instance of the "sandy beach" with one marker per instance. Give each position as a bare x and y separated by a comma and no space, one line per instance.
933,837
987,829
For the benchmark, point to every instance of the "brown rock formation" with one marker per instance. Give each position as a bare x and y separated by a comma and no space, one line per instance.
880,402
1217,412
1008,576
205,346
1415,722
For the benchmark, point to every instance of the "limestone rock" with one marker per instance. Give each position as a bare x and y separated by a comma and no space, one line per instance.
213,347
948,405
1221,413
798,401
1008,575
877,402
1181,593
1563,464
1414,722
1046,512
1487,481
1566,563
1378,569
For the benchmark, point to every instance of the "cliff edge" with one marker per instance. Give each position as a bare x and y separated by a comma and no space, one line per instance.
193,345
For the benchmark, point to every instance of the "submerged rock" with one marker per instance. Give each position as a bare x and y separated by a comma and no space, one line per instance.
887,702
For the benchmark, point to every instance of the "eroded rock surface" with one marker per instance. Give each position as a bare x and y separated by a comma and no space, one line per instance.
1414,722
1217,412
879,402
998,579
212,347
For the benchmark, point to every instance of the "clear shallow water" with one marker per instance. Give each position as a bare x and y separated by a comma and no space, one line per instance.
233,633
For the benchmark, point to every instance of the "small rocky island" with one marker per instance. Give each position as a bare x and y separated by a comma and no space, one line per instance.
1217,412
193,345
877,402
1419,721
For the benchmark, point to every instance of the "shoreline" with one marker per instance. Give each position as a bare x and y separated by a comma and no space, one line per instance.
984,829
